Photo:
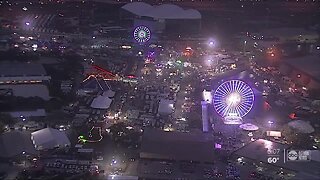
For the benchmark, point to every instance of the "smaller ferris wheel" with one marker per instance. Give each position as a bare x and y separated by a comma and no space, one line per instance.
142,34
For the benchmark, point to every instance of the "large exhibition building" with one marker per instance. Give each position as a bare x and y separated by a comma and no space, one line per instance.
304,70
165,18
24,79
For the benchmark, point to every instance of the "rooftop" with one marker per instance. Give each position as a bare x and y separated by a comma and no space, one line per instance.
288,32
14,143
307,64
14,69
49,138
34,113
157,144
163,11
101,102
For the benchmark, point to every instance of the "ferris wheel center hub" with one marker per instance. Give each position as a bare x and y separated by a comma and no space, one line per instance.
233,99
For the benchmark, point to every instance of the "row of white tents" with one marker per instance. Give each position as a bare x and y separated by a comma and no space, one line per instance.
103,101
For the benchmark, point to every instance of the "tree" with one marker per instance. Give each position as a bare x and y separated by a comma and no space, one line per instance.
314,93
6,119
1,127
117,128
298,140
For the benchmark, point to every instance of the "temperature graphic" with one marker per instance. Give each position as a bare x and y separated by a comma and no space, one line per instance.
273,160
273,155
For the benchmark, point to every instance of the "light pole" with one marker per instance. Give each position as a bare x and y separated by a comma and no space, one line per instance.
244,46
25,159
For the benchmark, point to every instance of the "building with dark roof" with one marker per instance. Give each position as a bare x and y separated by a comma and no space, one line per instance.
177,146
304,70
16,70
16,143
168,18
163,11
24,79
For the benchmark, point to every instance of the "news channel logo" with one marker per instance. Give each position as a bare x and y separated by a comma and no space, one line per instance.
298,155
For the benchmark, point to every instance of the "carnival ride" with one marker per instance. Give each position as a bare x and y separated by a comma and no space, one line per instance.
98,72
141,34
82,138
233,100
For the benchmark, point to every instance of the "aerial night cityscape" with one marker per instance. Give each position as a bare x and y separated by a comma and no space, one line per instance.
160,89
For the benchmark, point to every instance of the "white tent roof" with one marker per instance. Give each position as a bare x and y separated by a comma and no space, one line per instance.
137,7
109,93
165,107
164,11
101,102
301,126
249,127
49,138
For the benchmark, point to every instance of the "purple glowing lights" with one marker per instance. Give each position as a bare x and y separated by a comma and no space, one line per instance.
233,98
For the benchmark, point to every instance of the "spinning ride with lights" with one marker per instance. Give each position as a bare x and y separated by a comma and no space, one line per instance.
233,100
142,34
98,72
82,139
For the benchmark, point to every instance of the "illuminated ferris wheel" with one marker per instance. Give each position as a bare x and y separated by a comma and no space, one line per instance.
142,34
233,98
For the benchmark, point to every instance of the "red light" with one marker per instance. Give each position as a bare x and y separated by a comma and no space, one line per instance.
292,116
299,75
266,106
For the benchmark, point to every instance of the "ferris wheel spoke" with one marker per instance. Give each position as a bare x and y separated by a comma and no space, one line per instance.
247,103
219,109
238,85
248,91
243,110
244,89
248,96
224,90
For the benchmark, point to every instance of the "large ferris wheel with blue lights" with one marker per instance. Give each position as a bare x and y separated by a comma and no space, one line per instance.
233,98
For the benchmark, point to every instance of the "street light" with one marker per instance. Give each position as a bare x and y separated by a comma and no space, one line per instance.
25,159
244,46
212,43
